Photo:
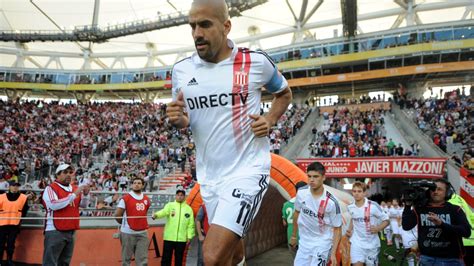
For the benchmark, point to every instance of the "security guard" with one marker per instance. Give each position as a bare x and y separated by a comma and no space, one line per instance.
13,206
468,242
179,228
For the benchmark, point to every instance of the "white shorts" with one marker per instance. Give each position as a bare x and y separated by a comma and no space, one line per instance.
394,227
409,238
235,202
369,256
313,257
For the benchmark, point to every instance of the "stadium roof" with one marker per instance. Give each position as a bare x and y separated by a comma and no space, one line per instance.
268,25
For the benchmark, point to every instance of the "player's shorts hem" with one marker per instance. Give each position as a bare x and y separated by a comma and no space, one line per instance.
368,256
313,256
235,205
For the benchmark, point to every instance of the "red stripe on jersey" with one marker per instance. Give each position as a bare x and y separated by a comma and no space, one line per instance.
367,218
236,108
246,73
322,211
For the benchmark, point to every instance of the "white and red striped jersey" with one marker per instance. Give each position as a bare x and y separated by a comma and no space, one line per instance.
317,218
395,213
219,98
370,214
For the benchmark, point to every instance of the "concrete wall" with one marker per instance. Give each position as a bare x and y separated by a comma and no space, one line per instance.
300,96
416,90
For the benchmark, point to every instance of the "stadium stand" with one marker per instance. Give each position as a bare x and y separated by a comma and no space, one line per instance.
448,121
109,145
347,133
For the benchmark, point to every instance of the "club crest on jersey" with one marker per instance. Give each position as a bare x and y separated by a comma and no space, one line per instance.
240,78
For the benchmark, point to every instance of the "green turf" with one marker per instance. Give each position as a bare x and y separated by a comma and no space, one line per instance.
393,252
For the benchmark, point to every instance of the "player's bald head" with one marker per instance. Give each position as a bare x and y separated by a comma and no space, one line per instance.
219,8
210,24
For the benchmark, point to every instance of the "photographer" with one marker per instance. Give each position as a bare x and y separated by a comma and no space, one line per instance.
441,227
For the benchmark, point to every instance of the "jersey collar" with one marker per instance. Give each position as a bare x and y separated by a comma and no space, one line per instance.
67,188
136,196
366,202
323,195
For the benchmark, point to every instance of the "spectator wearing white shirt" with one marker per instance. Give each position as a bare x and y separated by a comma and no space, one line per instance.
123,182
3,184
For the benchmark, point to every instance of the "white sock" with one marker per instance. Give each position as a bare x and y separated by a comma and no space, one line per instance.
242,263
411,260
397,242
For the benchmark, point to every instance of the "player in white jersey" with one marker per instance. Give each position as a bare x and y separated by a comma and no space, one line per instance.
410,244
319,221
217,92
409,241
388,230
395,215
383,234
367,219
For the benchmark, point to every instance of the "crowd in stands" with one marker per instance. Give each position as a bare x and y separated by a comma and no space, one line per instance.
363,99
356,134
287,126
448,121
107,143
130,139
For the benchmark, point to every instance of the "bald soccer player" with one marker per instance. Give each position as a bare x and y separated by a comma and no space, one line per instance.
217,92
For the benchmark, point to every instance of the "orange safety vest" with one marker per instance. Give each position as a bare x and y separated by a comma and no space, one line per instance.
11,209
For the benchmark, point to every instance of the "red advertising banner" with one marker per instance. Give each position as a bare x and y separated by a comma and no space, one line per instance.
382,167
466,189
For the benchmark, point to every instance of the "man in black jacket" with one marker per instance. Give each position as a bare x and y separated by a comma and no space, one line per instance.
441,227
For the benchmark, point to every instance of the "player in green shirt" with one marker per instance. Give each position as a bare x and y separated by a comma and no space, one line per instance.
287,214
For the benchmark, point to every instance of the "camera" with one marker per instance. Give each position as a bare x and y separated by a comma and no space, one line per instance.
417,192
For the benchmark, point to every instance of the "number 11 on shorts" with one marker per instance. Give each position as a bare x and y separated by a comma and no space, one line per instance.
244,207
